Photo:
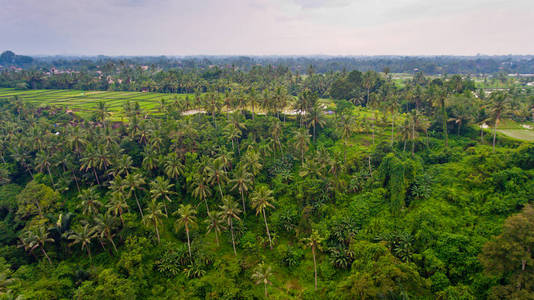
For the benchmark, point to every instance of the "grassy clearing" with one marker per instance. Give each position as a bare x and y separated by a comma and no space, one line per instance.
520,134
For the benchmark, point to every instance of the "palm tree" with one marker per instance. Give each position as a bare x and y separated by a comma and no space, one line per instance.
83,237
43,162
37,238
314,242
242,181
117,206
105,225
276,133
132,182
347,128
102,112
498,106
173,166
302,140
213,222
438,97
229,212
316,118
154,215
122,166
216,174
89,201
263,274
261,199
251,161
161,188
186,219
201,189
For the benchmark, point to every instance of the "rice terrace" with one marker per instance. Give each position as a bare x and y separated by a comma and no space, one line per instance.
85,102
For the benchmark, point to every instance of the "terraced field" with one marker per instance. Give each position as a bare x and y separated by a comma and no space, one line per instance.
85,102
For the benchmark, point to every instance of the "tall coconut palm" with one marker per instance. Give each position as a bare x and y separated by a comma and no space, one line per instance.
276,133
242,181
301,142
261,199
346,128
216,174
105,227
314,242
251,161
37,238
43,162
84,237
173,166
262,275
499,105
229,212
161,188
316,118
133,182
117,205
89,204
122,166
201,189
187,219
438,98
154,215
214,224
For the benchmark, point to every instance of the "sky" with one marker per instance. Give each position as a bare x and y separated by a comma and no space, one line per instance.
267,27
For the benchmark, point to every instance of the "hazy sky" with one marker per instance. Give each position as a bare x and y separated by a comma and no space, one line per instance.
255,27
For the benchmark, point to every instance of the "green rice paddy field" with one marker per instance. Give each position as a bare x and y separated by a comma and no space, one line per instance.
85,102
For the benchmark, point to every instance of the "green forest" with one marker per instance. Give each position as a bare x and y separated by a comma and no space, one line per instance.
266,184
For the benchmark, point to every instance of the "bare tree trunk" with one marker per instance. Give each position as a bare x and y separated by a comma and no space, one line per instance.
157,231
138,205
46,255
96,176
243,201
267,228
188,241
233,239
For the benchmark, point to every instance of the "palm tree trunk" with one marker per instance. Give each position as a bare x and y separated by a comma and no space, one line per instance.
207,208
233,239
138,205
157,231
494,135
267,228
46,255
89,253
217,238
165,207
50,174
314,267
96,176
220,189
265,289
392,128
188,241
76,180
243,201
112,243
